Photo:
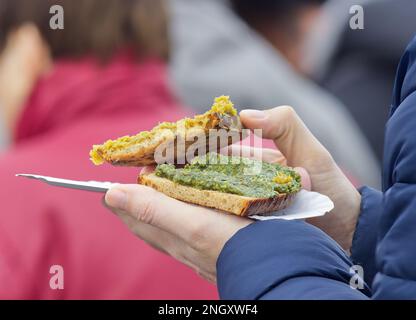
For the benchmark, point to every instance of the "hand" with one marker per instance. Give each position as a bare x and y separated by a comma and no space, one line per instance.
192,234
195,235
302,149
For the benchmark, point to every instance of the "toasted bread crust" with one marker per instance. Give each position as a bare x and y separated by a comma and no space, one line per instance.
143,154
238,205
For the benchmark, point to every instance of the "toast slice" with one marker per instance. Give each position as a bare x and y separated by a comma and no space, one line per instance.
231,203
152,147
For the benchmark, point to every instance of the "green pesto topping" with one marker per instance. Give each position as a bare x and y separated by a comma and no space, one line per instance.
241,176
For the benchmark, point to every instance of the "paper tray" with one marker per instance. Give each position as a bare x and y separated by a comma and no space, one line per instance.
306,204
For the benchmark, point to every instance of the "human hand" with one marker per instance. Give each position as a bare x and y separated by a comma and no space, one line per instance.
196,235
192,234
302,149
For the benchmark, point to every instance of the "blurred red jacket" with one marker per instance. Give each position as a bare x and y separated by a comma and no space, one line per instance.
80,104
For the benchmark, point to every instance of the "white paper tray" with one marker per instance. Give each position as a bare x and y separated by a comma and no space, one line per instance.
306,204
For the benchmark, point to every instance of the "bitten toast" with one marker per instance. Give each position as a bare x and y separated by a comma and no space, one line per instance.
142,149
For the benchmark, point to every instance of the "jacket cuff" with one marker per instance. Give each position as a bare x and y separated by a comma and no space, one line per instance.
258,259
365,237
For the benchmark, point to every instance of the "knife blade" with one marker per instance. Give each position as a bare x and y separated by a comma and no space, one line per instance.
93,186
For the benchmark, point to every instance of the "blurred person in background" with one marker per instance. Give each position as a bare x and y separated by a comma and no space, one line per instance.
251,50
61,91
358,66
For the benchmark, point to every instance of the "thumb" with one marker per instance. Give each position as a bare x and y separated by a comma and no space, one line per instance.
156,209
289,133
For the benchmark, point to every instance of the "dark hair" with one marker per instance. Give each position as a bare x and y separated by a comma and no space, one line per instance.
263,12
98,27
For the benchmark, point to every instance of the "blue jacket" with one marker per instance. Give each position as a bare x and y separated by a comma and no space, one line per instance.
294,260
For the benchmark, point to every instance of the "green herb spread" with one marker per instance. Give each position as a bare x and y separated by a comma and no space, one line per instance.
241,176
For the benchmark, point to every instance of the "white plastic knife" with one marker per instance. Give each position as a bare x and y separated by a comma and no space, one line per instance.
94,186
307,204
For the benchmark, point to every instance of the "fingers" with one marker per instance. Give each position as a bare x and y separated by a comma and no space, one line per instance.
289,133
155,237
151,207
274,122
262,154
195,225
164,242
267,155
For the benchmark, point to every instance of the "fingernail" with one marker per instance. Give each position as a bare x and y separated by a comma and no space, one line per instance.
116,198
254,114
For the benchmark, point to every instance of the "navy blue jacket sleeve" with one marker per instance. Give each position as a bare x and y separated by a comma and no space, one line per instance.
289,259
396,248
284,260
363,251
